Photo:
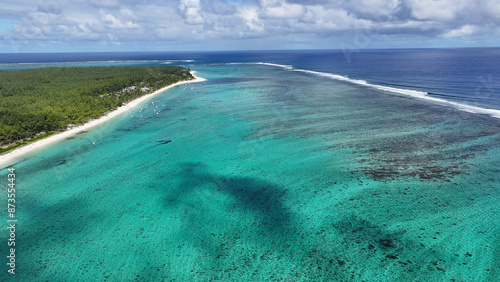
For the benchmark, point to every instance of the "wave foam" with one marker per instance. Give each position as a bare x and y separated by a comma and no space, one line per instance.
413,93
287,67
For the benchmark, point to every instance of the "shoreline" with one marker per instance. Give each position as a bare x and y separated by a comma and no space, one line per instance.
11,156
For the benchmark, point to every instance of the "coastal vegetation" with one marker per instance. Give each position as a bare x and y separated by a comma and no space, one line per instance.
37,102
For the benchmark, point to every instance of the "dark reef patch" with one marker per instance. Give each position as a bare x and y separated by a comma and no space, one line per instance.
163,142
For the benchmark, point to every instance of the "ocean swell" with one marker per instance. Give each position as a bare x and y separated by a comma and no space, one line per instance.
413,93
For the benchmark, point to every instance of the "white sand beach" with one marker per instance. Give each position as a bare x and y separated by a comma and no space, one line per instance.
10,156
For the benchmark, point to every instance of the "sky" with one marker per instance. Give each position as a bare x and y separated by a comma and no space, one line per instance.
199,25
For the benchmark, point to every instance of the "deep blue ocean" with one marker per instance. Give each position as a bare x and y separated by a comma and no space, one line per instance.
377,165
466,76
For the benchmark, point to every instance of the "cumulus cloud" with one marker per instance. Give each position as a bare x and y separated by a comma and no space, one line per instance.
280,9
251,18
465,30
111,21
210,21
49,7
220,8
190,10
373,9
105,3
446,10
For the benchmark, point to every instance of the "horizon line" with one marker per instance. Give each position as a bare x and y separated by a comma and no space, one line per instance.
250,50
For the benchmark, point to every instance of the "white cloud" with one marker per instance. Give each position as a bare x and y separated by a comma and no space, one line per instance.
281,9
209,22
334,20
251,17
105,3
493,6
28,32
191,11
442,10
465,30
221,8
373,9
127,13
111,21
49,7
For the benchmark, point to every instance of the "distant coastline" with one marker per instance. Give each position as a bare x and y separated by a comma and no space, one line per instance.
12,155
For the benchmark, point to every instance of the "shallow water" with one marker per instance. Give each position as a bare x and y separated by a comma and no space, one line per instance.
265,174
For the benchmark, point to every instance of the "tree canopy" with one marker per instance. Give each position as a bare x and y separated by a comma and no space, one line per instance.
35,101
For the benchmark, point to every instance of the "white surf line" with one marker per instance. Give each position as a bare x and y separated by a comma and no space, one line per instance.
413,93
10,156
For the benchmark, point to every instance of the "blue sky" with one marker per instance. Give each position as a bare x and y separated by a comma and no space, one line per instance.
177,25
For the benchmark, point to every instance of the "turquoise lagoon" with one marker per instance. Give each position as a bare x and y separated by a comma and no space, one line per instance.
264,174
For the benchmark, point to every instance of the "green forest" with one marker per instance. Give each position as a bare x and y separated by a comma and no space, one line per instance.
39,102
